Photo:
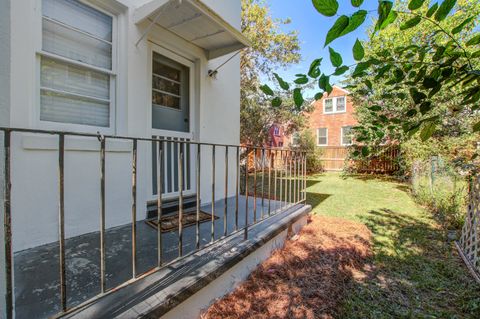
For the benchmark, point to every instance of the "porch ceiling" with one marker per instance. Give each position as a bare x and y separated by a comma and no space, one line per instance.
195,22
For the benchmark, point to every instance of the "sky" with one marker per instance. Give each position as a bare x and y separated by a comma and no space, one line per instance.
312,28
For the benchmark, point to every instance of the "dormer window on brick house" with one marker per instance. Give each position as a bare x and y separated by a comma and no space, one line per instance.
334,105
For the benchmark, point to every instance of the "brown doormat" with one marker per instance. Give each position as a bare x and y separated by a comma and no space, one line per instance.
170,223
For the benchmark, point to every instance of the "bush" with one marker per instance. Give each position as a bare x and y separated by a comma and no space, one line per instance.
305,141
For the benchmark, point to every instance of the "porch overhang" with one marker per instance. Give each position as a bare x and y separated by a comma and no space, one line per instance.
195,22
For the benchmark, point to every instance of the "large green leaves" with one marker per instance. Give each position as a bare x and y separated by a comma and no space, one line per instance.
427,130
326,7
345,25
284,85
357,3
324,83
415,4
298,97
341,70
358,51
385,15
462,25
432,10
276,102
474,41
335,58
337,29
266,89
410,23
444,9
314,71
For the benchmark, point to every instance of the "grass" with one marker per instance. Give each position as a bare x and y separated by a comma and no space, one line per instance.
414,272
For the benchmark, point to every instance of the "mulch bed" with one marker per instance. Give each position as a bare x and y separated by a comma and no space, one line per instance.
305,279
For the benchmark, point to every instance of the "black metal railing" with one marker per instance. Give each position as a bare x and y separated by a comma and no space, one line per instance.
264,179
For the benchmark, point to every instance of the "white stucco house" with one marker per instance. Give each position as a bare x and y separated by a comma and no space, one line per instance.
96,98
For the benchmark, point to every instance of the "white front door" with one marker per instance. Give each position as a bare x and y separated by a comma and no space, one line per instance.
171,96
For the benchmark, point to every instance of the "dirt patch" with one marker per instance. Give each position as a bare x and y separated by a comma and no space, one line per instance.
305,279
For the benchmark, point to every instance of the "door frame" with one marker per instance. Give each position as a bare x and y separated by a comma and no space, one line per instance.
190,135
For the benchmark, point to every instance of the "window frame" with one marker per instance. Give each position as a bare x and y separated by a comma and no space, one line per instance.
326,136
276,131
113,74
334,105
341,135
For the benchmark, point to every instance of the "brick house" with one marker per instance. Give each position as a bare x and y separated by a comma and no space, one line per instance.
276,136
332,119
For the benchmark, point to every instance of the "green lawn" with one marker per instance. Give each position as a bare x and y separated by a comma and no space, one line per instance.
415,271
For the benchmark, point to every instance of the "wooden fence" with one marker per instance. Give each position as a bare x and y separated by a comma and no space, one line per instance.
384,160
469,243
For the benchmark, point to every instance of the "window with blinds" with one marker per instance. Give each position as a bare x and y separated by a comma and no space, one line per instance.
76,64
347,135
322,136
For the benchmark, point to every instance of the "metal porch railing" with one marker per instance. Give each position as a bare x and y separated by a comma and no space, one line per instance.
266,181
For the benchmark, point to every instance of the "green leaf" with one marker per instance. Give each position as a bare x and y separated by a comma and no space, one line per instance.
375,108
284,85
357,3
415,4
417,96
385,15
301,80
356,20
318,96
460,27
298,97
410,23
335,58
276,102
341,70
430,83
365,151
425,107
411,112
474,41
444,9
323,82
439,53
337,29
432,10
361,67
427,131
358,51
314,71
476,127
328,8
266,89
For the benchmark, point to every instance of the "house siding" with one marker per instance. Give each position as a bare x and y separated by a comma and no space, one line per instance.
333,122
4,121
215,119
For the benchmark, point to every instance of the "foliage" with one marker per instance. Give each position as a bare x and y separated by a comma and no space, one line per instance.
305,141
271,49
444,58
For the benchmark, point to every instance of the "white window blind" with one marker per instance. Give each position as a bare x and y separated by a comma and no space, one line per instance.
328,105
340,104
73,92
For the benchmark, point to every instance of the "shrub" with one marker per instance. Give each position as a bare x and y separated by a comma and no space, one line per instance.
305,141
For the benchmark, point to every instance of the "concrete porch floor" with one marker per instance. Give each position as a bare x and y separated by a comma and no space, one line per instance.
36,270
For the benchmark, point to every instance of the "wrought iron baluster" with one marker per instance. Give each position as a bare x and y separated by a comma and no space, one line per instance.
213,194
225,210
160,179
134,209
61,221
7,224
237,187
180,198
198,172
102,215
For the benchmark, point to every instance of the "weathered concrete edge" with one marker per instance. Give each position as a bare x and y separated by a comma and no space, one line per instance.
246,249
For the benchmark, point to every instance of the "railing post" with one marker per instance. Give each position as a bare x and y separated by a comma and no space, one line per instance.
263,182
61,220
160,179
198,172
237,187
270,154
225,210
281,180
295,159
254,185
305,176
180,198
213,195
7,226
246,194
134,209
275,178
102,215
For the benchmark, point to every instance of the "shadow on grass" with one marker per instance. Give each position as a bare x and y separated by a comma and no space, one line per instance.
315,199
372,177
416,273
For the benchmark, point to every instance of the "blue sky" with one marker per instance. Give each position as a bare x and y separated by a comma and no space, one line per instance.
312,28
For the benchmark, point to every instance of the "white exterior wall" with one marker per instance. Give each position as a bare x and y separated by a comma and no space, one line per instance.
215,118
4,121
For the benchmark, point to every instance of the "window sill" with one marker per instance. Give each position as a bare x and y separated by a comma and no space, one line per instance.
73,143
